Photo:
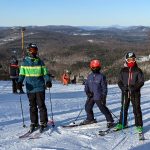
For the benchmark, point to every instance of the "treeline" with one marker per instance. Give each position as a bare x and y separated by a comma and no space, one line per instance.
61,50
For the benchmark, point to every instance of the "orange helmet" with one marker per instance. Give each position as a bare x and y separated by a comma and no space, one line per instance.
95,64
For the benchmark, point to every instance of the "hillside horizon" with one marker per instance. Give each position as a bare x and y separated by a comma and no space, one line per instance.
71,47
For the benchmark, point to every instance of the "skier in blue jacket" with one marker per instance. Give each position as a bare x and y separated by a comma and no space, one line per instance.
35,72
96,91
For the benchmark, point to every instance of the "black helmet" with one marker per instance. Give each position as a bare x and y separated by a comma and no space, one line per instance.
32,50
32,45
130,55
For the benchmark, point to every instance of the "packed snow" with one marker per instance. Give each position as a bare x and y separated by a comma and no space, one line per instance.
67,102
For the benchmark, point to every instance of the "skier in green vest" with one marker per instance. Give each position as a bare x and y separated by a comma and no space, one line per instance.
35,72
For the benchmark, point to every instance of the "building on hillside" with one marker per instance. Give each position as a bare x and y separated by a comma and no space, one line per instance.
143,58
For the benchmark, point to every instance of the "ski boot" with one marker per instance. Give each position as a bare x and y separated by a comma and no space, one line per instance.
42,127
15,92
21,92
119,126
88,122
33,127
140,132
110,124
139,129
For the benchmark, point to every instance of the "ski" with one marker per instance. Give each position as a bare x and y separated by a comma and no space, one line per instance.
26,135
35,136
38,134
110,130
75,125
107,131
104,132
70,126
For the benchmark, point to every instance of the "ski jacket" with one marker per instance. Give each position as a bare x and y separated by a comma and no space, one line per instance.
14,71
35,73
97,85
136,78
66,79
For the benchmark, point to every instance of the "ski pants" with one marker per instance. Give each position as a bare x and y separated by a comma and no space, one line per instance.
135,100
37,101
89,110
14,85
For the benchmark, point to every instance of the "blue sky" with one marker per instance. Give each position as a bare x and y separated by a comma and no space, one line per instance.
74,12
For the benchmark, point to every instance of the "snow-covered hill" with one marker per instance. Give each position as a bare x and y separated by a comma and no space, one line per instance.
67,103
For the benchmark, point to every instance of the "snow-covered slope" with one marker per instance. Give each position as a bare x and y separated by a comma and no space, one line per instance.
67,102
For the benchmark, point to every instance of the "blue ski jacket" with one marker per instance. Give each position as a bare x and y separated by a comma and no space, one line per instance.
35,73
97,85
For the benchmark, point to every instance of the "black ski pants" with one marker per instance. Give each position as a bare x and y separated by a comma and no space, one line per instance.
89,110
37,101
135,100
14,85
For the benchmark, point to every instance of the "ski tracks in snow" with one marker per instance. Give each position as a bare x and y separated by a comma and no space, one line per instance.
67,103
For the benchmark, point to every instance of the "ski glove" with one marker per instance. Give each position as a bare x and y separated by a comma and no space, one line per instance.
131,89
103,100
48,84
19,86
124,89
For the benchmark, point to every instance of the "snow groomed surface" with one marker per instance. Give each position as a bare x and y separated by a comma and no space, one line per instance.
67,102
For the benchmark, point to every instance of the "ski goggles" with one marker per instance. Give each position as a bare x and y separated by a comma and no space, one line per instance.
95,68
33,50
131,60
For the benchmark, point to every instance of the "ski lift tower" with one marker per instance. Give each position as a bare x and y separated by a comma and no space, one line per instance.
22,37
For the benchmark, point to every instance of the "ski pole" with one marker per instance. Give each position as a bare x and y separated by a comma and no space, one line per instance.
123,105
129,96
78,115
114,115
52,120
22,112
80,112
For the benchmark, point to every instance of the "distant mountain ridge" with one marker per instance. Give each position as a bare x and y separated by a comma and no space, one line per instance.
72,47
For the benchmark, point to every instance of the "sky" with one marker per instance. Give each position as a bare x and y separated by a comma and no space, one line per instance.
74,12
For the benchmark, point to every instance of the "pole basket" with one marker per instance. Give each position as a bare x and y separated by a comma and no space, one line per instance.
51,122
